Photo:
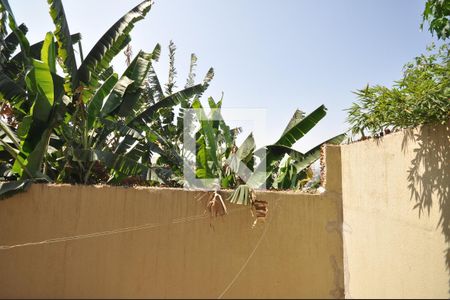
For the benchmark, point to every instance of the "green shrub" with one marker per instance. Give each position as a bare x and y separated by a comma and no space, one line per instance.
421,96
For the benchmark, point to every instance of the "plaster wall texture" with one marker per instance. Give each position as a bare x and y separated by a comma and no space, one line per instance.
396,212
62,241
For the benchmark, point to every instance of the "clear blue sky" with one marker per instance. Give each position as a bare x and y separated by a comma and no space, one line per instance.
278,55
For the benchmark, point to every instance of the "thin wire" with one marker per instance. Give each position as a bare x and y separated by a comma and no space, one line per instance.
249,257
82,236
108,232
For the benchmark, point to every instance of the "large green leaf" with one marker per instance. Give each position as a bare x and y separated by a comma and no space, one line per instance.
314,154
299,126
4,6
168,101
296,129
64,39
277,152
138,68
303,160
136,71
36,157
95,104
40,83
35,50
296,118
155,88
131,142
116,162
208,131
244,155
116,97
23,42
17,30
247,148
48,109
111,43
156,53
11,42
129,146
9,89
48,52
10,188
121,129
202,170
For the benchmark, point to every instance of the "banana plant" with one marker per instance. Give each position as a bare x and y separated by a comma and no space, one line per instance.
113,130
290,176
269,172
163,100
87,121
216,145
298,126
27,144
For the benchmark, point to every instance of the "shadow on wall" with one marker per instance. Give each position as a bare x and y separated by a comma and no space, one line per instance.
429,175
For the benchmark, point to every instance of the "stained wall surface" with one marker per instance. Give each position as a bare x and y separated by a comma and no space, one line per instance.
397,215
61,241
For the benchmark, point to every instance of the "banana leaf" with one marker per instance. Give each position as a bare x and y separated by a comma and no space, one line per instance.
96,102
9,188
11,42
10,90
111,43
65,45
299,126
169,101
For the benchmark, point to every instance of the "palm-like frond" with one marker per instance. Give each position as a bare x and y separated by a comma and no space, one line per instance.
116,97
65,45
119,163
11,42
169,101
246,150
10,90
12,187
136,71
5,7
111,43
18,62
95,104
5,10
314,154
299,126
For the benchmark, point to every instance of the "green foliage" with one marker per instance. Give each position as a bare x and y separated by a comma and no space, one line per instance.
421,96
437,14
298,126
96,131
90,125
10,188
110,44
281,167
216,144
66,53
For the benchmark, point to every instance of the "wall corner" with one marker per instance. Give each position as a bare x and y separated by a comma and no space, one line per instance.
332,168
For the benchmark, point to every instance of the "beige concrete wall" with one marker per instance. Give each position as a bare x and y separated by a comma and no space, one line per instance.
85,241
397,215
